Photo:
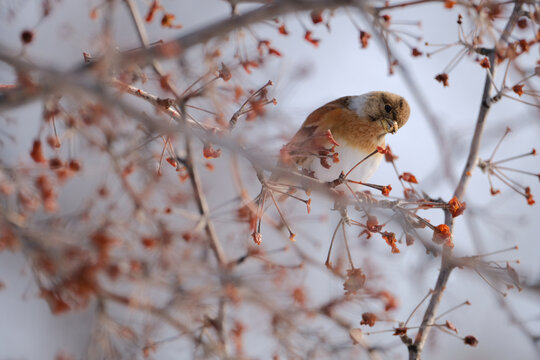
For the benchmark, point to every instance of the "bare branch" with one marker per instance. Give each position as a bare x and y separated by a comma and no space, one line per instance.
415,350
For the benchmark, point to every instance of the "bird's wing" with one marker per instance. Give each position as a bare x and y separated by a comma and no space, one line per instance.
313,136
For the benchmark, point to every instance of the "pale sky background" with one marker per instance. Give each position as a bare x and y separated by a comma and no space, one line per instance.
336,68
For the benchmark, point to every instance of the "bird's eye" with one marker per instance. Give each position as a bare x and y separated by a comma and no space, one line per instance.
387,108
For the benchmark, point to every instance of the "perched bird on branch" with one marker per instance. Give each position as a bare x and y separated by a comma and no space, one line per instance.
337,143
337,136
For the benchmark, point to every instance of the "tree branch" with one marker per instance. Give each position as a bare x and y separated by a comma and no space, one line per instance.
200,199
486,103
415,350
178,46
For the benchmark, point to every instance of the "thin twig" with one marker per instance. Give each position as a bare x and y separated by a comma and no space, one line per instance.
189,163
484,108
200,199
178,46
143,37
415,350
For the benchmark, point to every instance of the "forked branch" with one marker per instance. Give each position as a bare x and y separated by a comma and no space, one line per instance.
415,350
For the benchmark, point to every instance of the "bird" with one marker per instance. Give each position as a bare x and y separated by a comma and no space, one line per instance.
338,140
335,137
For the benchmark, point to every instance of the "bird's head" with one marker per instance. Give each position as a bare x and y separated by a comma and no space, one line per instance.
361,121
386,111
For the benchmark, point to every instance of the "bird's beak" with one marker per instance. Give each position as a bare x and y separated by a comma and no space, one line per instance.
389,125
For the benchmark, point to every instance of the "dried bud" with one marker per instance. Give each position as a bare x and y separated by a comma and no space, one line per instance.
364,37
257,238
154,7
416,52
55,163
442,234
37,152
518,89
53,142
316,16
470,340
74,165
456,207
522,23
408,177
168,21
368,318
442,78
308,37
485,63
449,4
391,240
210,153
27,36
529,196
224,73
391,302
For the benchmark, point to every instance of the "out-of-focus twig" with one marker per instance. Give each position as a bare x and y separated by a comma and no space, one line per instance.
143,37
203,205
178,46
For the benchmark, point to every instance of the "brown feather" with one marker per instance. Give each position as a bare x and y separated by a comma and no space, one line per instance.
354,121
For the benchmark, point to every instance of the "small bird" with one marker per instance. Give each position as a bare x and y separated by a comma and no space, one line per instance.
345,131
351,127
